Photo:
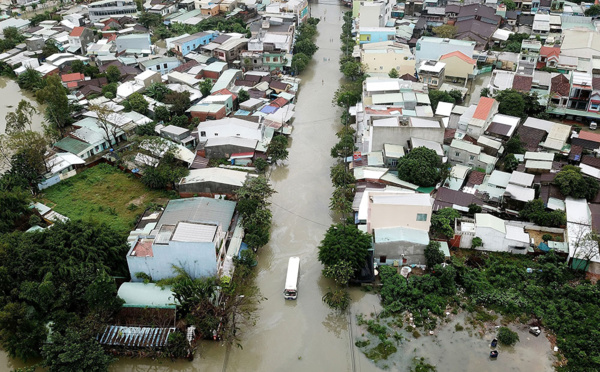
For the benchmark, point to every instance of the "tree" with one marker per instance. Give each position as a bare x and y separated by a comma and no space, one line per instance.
104,114
300,62
420,166
146,129
21,118
30,80
510,5
353,70
161,113
149,19
338,299
76,350
593,11
278,148
49,48
507,337
511,102
205,87
476,242
341,272
341,199
138,103
393,74
344,243
58,110
167,173
485,92
510,163
433,254
474,208
535,211
110,88
442,221
113,75
445,31
77,66
340,176
514,145
158,91
179,101
243,96
436,96
306,46
261,165
348,94
14,203
12,33
571,182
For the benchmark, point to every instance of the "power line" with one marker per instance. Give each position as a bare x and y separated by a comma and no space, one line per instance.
297,215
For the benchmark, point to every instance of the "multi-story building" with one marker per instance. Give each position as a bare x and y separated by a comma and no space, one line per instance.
111,8
189,43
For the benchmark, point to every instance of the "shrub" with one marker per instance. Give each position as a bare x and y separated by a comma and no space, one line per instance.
477,242
546,237
507,337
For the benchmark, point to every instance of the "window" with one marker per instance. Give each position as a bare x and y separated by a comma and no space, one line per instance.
216,134
203,134
165,65
274,59
457,153
471,157
594,106
158,67
268,59
421,216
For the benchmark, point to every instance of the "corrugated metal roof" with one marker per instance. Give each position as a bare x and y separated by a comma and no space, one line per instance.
520,193
218,175
198,210
538,164
522,179
145,337
72,145
467,146
545,156
194,232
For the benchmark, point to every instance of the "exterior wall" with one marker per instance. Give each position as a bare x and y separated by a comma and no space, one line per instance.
384,62
386,215
224,151
493,240
414,253
198,259
460,156
401,135
376,36
457,68
369,15
191,45
230,55
163,68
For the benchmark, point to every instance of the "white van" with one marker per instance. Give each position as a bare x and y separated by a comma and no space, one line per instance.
290,292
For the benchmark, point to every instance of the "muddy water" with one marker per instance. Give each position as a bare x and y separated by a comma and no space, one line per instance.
11,96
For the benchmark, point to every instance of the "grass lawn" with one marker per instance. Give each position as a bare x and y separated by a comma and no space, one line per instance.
103,194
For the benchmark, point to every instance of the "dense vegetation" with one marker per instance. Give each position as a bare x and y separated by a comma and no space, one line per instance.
304,47
553,294
253,205
421,166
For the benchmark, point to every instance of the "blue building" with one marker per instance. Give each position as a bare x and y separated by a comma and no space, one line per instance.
376,34
190,43
190,233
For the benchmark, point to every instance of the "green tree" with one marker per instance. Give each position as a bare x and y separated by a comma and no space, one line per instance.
300,62
341,272
179,101
352,70
77,66
30,80
205,87
158,91
58,110
161,113
12,33
18,120
110,88
146,129
113,75
433,254
306,46
338,299
474,208
261,165
49,48
393,74
167,173
511,102
243,96
510,163
442,221
278,148
485,92
476,242
535,211
593,11
510,5
149,19
445,31
571,182
340,176
421,166
14,203
75,351
138,103
341,199
514,145
344,243
507,337
436,96
348,94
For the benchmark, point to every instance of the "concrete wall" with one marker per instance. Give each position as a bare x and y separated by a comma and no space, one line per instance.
401,134
189,189
384,62
413,252
198,259
388,215
457,68
224,151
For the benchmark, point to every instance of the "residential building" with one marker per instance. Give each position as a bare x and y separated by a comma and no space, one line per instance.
270,47
496,234
111,8
478,117
541,25
79,38
459,67
399,246
502,127
470,155
190,233
393,209
432,48
376,34
548,57
399,131
560,91
60,166
211,182
88,138
374,13
230,127
583,251
208,111
432,73
163,65
190,43
556,134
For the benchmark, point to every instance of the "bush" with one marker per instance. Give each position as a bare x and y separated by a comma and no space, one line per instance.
433,254
507,337
477,242
546,237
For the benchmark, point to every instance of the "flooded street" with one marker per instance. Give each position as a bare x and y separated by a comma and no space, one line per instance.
11,96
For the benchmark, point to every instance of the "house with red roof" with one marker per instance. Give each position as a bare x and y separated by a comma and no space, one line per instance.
79,38
560,87
458,66
71,80
478,117
548,57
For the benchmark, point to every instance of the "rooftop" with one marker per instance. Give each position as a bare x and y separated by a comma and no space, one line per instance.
146,296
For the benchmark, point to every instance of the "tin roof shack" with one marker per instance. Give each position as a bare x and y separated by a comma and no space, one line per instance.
191,234
399,245
212,182
496,234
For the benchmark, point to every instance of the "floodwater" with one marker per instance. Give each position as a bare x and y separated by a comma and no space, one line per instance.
11,96
303,335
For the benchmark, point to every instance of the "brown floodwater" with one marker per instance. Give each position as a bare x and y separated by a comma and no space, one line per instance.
11,96
305,335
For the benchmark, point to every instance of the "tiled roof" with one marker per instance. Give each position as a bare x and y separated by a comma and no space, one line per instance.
278,85
531,137
77,31
186,66
449,133
591,161
447,198
475,178
522,83
560,85
549,51
575,151
76,76
589,136
596,82
408,77
500,129
459,55
483,108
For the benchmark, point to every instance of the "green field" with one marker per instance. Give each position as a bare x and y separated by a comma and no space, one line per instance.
103,194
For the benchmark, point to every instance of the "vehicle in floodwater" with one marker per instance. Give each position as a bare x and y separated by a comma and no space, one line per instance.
290,292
